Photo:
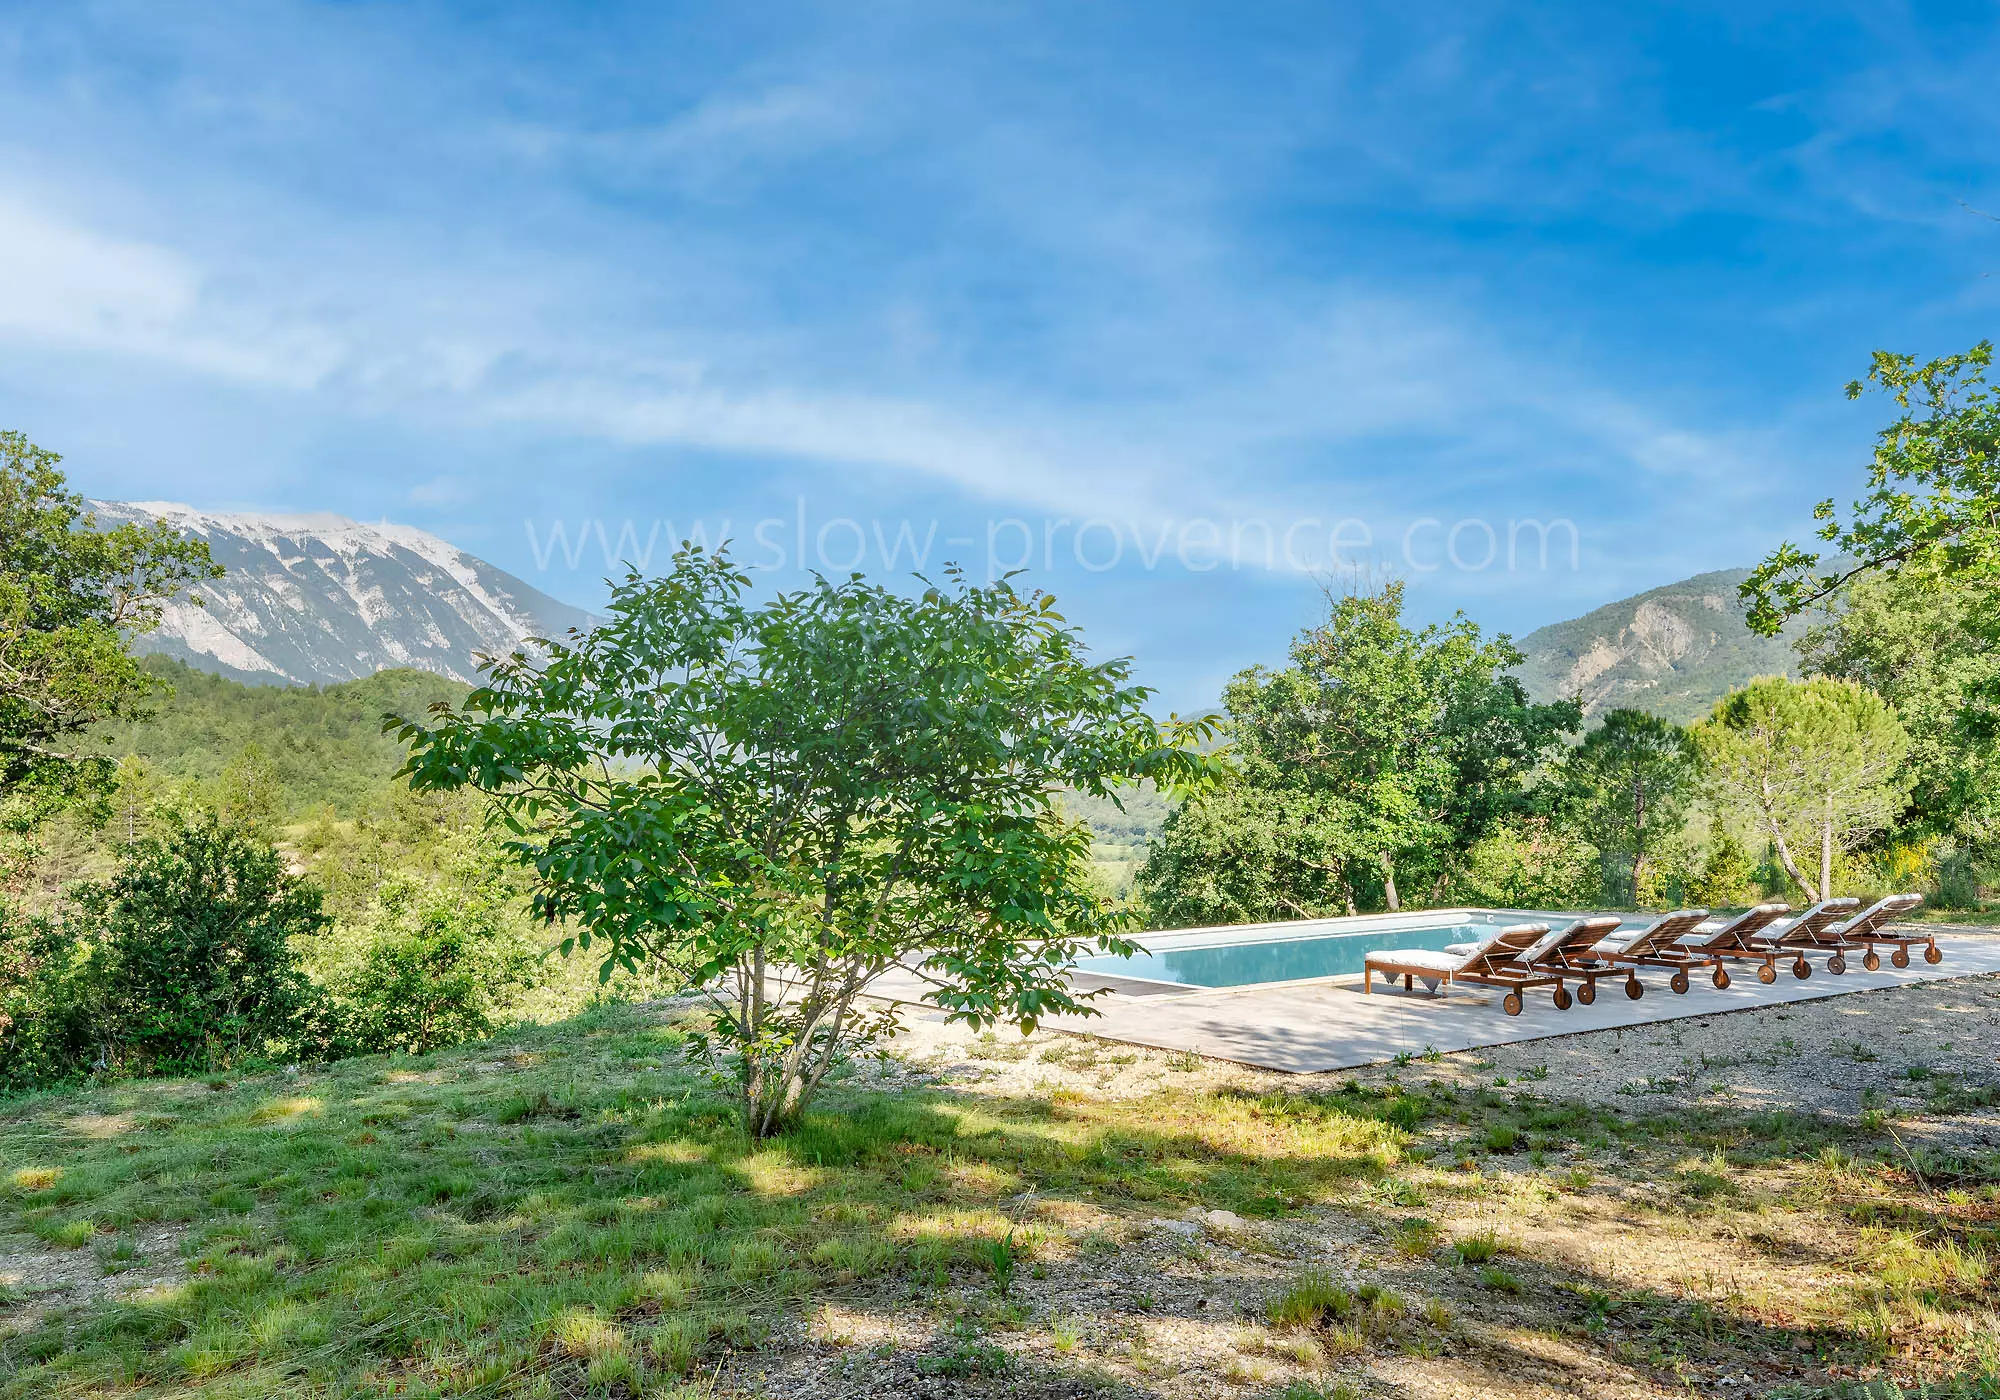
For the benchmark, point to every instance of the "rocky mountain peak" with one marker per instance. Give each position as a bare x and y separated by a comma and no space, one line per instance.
1673,650
315,599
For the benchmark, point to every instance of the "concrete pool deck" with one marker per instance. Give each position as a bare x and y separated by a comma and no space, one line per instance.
1311,1027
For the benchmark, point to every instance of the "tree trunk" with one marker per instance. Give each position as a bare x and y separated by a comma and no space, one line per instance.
1791,866
1826,851
1638,830
1389,883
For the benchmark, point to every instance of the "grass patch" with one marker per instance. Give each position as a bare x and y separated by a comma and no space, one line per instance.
1313,1299
1315,1388
573,1210
65,1234
1476,1249
1418,1238
574,1206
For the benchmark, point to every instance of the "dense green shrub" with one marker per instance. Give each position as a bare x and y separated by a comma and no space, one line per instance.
1957,884
181,960
1244,854
49,1001
195,932
1529,863
429,968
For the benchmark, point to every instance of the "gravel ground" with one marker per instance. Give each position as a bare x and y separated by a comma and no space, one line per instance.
1900,1049
1168,1307
34,1281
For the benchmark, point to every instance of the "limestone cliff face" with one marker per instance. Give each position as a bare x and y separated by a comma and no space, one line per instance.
313,599
1673,651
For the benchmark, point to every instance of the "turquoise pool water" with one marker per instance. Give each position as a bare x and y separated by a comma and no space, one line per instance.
1215,958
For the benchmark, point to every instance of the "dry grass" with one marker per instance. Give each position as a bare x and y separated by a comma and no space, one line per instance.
570,1211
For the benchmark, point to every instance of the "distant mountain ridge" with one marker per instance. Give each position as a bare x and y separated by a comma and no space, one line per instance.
1673,650
319,599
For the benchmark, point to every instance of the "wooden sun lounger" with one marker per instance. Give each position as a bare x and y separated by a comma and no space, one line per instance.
1809,933
1494,961
1864,930
1566,955
1690,949
1584,957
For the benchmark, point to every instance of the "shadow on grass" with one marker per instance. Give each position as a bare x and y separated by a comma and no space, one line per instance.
576,1204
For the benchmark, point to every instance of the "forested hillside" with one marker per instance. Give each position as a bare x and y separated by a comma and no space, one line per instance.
326,742
1672,651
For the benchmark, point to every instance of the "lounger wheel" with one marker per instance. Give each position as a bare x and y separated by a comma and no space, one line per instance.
1634,988
1512,1005
1562,998
1836,964
1721,978
1872,960
1901,957
1802,969
1933,955
1679,981
1587,993
1767,974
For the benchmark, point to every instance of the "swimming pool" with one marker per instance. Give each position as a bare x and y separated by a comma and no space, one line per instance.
1242,955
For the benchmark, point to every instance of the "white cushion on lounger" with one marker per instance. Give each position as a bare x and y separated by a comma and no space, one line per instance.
1542,947
1877,914
1440,959
1620,941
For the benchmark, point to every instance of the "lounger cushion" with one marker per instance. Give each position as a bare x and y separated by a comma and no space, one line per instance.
1738,932
1429,959
1877,914
1664,931
1810,929
1551,942
1506,943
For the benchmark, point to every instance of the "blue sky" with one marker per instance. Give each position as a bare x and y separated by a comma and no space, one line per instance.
1143,291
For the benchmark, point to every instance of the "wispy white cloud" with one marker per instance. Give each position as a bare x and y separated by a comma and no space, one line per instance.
1348,374
1395,266
717,140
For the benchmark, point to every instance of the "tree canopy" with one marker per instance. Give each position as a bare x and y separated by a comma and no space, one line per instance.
786,801
72,596
1383,752
1634,774
1813,766
1916,640
1934,491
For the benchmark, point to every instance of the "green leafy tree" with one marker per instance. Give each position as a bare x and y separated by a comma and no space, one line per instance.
789,800
1634,774
71,598
1528,863
1917,640
1813,764
1723,875
1420,737
51,1019
193,935
1247,854
432,967
249,792
1934,492
142,794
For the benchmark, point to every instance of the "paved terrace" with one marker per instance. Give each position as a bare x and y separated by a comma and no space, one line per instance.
1328,1024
